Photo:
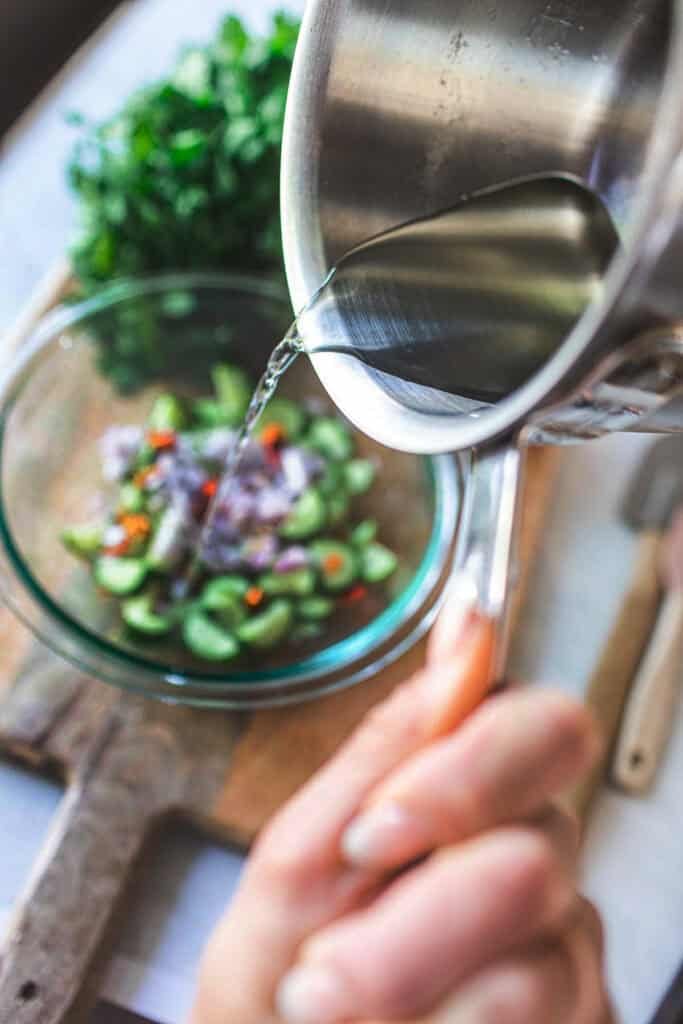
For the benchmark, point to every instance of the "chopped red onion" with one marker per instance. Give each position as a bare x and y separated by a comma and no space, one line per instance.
291,559
118,449
259,552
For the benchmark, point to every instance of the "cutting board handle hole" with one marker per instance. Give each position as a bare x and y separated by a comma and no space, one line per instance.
28,991
637,759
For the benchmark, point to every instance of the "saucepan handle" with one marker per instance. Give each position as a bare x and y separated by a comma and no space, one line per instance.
490,532
480,587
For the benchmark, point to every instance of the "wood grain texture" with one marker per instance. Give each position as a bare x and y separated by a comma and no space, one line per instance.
651,709
612,679
129,763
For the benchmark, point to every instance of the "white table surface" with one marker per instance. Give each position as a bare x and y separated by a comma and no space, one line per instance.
633,857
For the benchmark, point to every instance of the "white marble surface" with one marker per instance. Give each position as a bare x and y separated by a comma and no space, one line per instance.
633,862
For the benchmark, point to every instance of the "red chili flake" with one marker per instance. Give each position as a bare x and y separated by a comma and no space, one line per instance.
210,488
356,594
253,597
272,435
162,439
333,562
272,457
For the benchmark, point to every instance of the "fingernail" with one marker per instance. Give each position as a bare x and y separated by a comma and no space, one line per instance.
383,836
311,995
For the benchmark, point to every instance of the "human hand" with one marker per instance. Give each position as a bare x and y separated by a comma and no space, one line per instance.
420,881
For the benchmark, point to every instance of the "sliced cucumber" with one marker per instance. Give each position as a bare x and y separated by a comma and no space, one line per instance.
208,640
120,576
298,583
332,480
145,456
307,517
168,413
336,562
232,614
131,498
84,541
307,631
359,476
138,613
377,563
168,541
269,628
233,391
331,438
210,413
364,533
222,591
316,608
290,416
337,508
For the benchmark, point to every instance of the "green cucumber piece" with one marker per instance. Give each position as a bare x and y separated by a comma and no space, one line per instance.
131,498
306,631
298,583
307,517
287,414
145,456
120,576
331,438
232,614
208,640
364,533
332,480
316,608
210,413
337,508
138,613
223,590
377,563
168,413
359,476
269,628
233,391
339,578
84,541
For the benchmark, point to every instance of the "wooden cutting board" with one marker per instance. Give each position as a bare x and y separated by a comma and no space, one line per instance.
129,763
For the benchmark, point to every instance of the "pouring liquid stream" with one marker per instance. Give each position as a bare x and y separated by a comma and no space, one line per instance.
454,312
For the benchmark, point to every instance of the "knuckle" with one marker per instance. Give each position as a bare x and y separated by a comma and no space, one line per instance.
537,881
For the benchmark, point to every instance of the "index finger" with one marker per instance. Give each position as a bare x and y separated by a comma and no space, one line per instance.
308,831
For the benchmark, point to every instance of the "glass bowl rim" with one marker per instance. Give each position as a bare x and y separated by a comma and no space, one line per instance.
444,472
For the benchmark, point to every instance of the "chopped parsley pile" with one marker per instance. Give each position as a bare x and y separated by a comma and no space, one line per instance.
284,551
184,177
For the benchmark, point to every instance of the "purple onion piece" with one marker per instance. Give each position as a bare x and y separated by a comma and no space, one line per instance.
118,448
260,552
291,559
273,504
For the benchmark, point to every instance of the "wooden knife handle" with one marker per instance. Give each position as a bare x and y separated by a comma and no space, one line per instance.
106,816
613,677
650,710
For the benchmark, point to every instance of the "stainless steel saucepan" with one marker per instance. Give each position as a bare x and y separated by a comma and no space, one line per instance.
399,109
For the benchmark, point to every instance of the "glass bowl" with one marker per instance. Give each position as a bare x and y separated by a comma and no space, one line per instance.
57,397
